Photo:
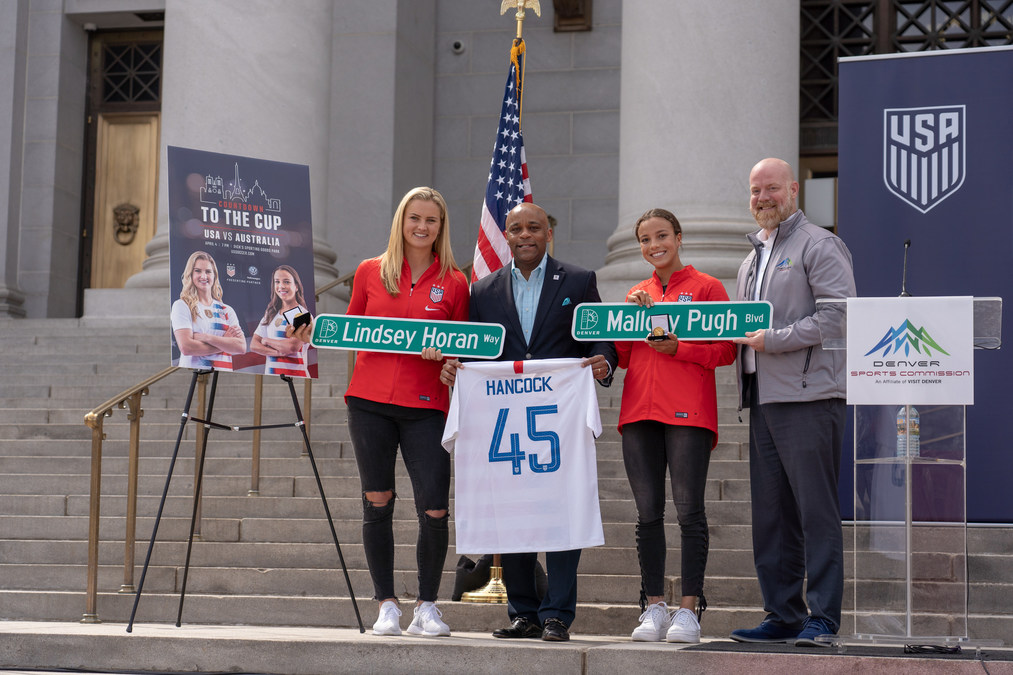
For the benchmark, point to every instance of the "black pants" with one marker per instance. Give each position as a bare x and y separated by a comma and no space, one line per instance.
794,467
649,448
377,430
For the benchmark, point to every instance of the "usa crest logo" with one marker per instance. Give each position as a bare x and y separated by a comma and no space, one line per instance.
685,297
924,151
230,269
435,293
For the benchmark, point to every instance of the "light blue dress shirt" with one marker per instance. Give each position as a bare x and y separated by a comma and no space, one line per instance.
526,294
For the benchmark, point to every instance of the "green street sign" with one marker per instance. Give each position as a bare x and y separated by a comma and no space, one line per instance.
408,336
625,321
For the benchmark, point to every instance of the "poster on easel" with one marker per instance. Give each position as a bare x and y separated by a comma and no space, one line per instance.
240,263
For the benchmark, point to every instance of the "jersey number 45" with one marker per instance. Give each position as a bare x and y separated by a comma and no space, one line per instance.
515,455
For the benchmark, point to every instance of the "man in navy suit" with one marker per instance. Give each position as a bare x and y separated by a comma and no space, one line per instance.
534,298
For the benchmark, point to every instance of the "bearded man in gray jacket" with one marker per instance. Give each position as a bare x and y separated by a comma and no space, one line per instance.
795,391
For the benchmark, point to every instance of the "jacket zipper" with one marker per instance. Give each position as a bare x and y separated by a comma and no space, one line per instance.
805,368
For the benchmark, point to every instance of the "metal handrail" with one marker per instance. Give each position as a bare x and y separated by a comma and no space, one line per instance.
130,398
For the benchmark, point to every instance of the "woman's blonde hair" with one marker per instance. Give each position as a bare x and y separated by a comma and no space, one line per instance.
393,258
189,293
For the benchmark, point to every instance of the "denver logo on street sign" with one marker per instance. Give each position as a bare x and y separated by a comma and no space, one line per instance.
408,336
625,321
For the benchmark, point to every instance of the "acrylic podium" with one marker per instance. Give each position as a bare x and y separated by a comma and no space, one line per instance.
908,581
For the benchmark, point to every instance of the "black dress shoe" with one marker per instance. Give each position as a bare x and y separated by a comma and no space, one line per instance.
520,628
555,630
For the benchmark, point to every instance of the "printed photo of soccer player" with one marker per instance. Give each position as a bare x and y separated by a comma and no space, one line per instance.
207,331
285,356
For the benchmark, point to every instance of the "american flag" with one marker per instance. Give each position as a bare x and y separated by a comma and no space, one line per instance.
508,183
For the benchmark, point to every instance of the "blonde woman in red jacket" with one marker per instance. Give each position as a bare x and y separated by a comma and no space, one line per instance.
668,419
397,400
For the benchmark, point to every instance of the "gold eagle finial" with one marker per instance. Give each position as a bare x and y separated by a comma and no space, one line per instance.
521,5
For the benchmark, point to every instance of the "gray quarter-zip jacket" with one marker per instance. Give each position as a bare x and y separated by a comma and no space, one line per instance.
807,263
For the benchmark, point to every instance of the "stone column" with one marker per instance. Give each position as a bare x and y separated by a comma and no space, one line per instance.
708,89
271,101
13,47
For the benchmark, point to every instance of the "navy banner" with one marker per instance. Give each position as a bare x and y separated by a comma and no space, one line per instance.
241,262
926,155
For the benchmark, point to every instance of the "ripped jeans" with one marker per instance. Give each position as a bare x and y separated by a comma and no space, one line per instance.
377,430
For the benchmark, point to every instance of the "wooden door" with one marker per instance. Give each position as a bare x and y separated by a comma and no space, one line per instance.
126,200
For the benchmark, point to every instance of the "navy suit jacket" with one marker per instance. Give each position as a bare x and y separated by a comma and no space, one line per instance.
564,287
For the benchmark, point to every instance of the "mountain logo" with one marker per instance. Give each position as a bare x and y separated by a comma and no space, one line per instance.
906,337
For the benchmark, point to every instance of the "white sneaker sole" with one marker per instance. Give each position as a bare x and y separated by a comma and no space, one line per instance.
389,632
648,638
683,639
418,631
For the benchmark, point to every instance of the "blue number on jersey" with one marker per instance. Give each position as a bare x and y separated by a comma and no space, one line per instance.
551,436
515,455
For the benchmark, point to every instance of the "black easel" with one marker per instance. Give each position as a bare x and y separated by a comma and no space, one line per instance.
208,425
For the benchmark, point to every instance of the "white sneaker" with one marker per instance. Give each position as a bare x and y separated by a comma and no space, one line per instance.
654,623
427,621
388,622
685,627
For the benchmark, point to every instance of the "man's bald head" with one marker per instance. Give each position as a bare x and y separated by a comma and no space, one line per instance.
772,192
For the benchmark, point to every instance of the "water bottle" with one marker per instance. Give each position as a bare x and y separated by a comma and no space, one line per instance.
908,432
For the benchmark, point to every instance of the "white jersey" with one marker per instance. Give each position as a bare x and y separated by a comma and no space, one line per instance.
213,319
293,364
525,473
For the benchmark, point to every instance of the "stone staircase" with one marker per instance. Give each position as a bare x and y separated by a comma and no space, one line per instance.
268,559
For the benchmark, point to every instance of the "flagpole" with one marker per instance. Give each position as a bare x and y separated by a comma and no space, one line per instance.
518,46
508,184
494,591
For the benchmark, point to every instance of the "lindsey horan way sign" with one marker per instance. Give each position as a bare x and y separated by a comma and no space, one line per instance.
624,321
408,336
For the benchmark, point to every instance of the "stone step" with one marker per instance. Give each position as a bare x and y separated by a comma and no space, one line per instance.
157,647
719,470
283,530
296,582
612,510
288,444
721,591
725,491
591,619
222,445
602,560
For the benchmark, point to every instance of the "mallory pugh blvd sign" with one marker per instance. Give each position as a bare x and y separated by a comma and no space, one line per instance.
408,336
625,321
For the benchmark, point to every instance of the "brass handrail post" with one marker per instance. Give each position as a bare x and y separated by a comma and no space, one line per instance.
134,415
95,419
91,593
258,408
202,382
